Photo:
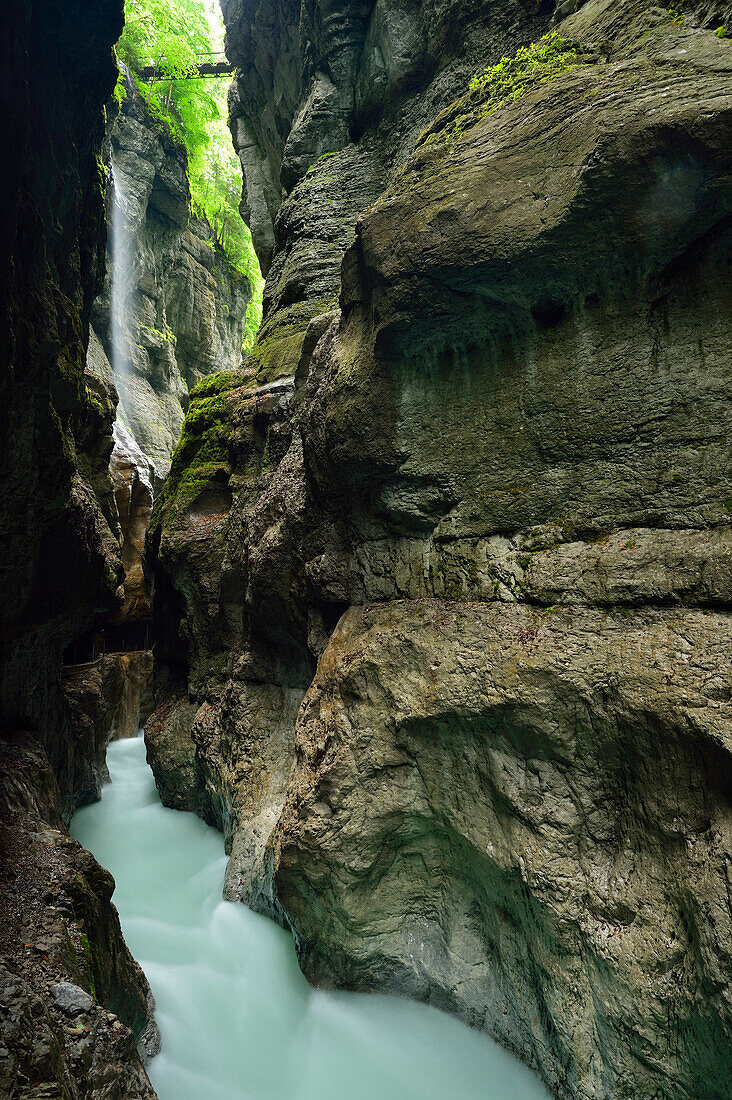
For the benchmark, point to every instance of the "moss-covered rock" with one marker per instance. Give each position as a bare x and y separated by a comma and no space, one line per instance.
202,454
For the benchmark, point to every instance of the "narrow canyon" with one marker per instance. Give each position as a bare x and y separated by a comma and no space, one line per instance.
367,463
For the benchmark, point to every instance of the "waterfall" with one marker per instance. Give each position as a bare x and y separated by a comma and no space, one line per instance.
120,274
120,338
131,469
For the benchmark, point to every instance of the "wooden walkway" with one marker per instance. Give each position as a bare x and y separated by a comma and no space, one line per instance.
209,64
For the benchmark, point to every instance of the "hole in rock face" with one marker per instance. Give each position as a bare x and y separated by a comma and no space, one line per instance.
548,312
214,500
331,611
260,422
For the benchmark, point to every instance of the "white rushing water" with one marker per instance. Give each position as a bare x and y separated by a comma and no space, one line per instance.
119,275
237,1018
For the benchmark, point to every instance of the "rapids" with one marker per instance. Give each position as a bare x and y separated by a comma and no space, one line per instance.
237,1018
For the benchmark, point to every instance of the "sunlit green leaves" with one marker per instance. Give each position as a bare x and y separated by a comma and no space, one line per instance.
542,61
168,34
171,35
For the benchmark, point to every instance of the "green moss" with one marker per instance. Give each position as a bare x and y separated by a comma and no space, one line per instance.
319,162
167,334
722,32
101,174
544,60
202,453
277,351
278,355
511,78
214,385
95,404
119,95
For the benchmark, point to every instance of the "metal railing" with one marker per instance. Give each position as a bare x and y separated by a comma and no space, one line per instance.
209,64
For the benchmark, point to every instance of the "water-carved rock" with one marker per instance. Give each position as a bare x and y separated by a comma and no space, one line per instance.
509,791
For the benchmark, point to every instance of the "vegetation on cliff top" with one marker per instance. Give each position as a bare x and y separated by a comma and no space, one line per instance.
538,63
171,34
508,80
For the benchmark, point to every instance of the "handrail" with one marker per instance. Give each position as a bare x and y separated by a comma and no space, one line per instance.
208,64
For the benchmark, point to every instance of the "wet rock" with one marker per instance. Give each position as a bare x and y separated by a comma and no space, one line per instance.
63,962
133,490
323,109
171,753
70,999
60,565
486,803
135,701
105,699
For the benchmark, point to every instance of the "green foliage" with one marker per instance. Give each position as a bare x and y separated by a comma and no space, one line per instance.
167,33
512,77
722,33
119,95
166,334
89,959
170,35
676,17
503,83
538,63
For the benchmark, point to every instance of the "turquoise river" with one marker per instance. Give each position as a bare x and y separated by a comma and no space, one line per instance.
238,1020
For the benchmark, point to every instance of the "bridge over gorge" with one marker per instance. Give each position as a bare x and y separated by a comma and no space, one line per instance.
209,64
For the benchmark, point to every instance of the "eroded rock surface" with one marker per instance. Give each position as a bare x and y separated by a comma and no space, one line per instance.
73,1002
325,105
106,699
60,565
485,813
485,533
133,491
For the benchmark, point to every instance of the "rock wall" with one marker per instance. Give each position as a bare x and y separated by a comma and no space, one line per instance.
107,699
172,309
60,567
470,498
133,493
74,1002
325,105
60,563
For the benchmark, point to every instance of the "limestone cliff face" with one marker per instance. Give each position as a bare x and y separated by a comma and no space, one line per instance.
133,494
74,1002
60,565
171,303
471,500
325,105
